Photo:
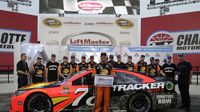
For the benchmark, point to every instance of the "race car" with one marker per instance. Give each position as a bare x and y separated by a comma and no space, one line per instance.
131,91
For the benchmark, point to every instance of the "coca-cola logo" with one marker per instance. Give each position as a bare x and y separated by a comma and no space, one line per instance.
90,6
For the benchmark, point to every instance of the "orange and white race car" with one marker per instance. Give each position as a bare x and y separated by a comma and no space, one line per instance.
130,91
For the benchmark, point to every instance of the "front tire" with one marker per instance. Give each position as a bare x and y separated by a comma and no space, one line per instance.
139,102
38,103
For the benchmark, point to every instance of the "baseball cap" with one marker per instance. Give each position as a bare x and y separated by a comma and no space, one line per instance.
157,60
169,57
181,55
65,57
142,56
53,55
83,56
111,56
39,58
91,56
152,58
72,56
129,56
118,56
103,54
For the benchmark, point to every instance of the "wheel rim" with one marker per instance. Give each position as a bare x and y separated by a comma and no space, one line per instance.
37,106
140,103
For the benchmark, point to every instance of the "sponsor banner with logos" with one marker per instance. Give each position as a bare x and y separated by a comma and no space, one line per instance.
87,31
157,52
131,7
182,41
10,37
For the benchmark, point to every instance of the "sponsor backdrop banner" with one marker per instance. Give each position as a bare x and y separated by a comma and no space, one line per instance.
157,52
10,37
89,31
182,41
90,6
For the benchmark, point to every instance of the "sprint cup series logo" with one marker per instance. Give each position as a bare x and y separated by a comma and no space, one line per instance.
160,39
124,23
52,22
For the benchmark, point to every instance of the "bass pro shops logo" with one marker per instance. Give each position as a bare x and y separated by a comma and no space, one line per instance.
160,39
52,22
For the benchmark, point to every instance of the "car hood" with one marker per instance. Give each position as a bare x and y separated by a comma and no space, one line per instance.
40,85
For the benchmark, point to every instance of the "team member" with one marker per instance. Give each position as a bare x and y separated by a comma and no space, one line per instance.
153,68
39,72
92,63
169,69
119,63
82,65
73,65
65,68
129,65
22,71
184,69
141,66
103,93
157,61
111,60
52,69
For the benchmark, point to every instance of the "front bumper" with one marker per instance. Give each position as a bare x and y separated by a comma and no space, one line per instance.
16,104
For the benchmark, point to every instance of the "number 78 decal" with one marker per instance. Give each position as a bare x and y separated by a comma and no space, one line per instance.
85,91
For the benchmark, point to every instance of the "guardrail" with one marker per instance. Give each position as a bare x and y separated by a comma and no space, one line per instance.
6,69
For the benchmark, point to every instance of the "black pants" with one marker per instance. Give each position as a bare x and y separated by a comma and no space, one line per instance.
22,81
185,95
37,79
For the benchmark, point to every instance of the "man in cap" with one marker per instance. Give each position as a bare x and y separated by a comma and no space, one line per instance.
129,65
52,70
169,69
111,60
73,64
103,93
82,65
39,71
119,64
92,63
157,61
141,66
65,68
184,70
153,69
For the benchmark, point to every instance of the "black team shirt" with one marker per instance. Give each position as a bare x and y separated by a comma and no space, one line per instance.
52,71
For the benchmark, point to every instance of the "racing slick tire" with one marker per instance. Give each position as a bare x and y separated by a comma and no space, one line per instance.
139,102
38,103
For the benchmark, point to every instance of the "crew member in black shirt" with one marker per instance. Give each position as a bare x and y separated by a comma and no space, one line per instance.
111,60
153,68
22,71
52,69
129,65
82,65
184,70
73,64
39,72
92,63
119,64
169,69
141,66
65,68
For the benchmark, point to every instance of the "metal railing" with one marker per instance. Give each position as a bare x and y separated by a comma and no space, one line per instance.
6,69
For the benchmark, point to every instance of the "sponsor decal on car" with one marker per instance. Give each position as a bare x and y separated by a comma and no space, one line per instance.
164,99
124,23
138,86
52,22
